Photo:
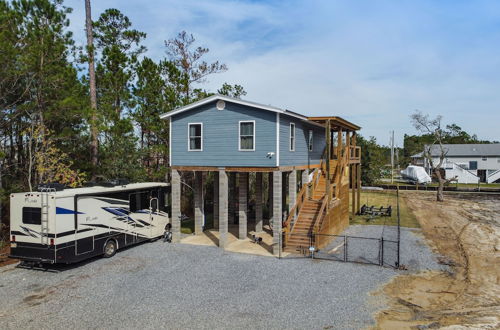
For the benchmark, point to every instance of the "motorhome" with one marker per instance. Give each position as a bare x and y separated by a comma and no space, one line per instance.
70,225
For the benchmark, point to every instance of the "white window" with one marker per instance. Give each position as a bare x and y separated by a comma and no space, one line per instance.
292,137
195,137
310,140
247,136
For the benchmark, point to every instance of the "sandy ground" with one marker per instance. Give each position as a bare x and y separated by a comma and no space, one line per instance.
211,238
465,232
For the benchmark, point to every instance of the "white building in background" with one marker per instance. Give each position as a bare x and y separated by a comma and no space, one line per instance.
470,163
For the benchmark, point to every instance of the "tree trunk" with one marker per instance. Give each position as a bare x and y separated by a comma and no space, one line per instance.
1,201
93,92
441,181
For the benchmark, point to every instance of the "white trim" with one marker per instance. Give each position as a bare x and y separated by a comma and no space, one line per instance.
170,142
292,145
232,100
189,138
277,139
310,147
239,135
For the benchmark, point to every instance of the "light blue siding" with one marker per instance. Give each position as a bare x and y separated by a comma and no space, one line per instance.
221,136
301,155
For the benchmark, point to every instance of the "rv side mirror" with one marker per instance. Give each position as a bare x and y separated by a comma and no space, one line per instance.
153,204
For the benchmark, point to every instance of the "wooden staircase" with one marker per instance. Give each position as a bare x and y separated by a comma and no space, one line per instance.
299,236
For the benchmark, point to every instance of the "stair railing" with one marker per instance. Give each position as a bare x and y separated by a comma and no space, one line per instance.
289,223
320,216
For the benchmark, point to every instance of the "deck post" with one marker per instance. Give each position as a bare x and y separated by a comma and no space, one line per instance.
328,135
277,211
305,180
232,192
176,206
358,187
356,197
216,199
198,202
352,174
292,189
270,195
258,202
223,208
243,200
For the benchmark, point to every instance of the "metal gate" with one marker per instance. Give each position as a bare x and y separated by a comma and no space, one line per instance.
365,250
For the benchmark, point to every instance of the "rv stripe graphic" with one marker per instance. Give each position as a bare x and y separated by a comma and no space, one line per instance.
62,210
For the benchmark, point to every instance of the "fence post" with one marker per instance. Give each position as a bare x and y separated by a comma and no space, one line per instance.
381,254
279,242
311,242
399,227
345,248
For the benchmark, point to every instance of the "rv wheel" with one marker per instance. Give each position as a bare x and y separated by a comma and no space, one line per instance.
109,249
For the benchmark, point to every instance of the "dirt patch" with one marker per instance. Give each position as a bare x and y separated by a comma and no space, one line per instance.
4,257
465,231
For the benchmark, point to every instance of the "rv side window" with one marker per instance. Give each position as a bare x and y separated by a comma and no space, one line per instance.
32,215
139,201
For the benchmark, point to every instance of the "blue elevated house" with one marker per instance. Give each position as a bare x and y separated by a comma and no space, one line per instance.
303,158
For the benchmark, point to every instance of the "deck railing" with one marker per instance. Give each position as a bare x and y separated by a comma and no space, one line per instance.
354,154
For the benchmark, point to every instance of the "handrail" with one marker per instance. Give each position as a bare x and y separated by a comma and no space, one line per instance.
288,225
321,214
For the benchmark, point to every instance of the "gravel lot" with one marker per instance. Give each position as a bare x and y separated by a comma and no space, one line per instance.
185,286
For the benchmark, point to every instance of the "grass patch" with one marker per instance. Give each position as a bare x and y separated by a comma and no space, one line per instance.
385,199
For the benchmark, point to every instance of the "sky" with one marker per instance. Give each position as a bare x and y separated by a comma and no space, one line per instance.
371,62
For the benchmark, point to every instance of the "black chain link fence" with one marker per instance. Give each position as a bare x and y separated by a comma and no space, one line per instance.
383,250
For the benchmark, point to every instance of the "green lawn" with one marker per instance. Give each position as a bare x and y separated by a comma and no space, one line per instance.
385,199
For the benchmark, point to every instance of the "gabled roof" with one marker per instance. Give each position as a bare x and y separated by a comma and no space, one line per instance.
217,97
464,150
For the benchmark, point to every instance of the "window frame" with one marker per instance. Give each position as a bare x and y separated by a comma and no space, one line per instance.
293,138
189,137
30,210
475,162
310,140
239,135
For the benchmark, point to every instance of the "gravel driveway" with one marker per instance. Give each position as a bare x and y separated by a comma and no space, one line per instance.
177,286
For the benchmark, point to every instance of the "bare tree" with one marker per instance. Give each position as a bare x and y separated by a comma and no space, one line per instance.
92,83
189,61
426,125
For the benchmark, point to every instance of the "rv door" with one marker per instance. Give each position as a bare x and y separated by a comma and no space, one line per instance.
84,239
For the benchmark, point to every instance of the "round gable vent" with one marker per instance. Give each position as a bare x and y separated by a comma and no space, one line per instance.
221,105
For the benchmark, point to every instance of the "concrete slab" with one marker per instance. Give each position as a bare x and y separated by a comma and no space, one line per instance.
211,238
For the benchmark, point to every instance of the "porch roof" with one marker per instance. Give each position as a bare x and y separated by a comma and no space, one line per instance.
336,122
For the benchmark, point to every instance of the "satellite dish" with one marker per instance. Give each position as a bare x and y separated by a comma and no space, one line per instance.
221,105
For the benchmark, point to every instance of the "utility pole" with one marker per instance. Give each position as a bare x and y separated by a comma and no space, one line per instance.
92,83
392,157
